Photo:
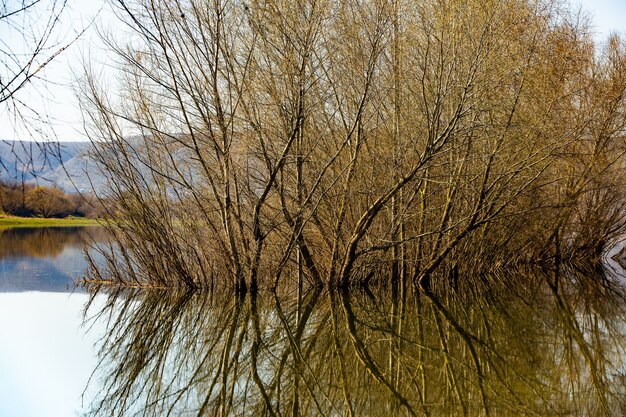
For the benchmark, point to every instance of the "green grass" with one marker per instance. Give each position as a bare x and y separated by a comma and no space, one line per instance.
7,222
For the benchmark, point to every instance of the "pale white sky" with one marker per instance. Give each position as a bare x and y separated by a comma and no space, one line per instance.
608,15
56,97
57,100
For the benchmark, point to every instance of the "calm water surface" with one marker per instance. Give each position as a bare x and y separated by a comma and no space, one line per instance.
520,343
46,355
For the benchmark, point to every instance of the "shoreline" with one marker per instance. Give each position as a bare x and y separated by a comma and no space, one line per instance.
12,222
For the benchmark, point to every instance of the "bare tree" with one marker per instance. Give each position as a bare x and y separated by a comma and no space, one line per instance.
33,35
323,141
31,40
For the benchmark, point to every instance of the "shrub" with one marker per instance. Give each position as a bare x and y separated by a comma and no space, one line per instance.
48,202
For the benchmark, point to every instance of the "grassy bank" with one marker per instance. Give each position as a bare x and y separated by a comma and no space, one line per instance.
12,221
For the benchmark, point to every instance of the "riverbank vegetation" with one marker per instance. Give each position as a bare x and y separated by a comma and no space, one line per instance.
35,201
346,143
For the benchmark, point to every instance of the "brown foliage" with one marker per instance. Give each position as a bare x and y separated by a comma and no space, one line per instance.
47,202
23,199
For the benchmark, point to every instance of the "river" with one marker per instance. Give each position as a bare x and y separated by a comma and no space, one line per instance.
518,343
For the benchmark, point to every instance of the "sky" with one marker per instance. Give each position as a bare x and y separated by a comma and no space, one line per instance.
57,100
608,15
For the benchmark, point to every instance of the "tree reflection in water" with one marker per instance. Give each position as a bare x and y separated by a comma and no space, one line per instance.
46,242
535,347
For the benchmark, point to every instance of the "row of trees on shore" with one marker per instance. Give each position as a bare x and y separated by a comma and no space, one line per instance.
343,142
29,200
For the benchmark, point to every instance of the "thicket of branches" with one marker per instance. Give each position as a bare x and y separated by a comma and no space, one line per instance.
341,141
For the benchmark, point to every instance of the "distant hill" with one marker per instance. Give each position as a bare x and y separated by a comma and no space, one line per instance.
61,164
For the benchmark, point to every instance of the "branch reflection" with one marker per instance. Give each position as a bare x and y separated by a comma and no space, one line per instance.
535,347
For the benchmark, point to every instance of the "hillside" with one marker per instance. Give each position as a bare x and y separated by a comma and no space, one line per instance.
61,164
